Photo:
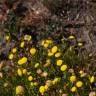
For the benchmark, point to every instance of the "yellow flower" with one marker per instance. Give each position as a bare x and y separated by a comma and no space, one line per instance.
59,62
71,37
63,67
57,79
79,84
11,56
27,37
24,71
73,89
54,49
58,54
19,72
42,43
48,61
50,54
22,60
46,45
46,87
36,65
19,90
32,51
32,84
22,44
48,41
14,50
80,44
81,72
91,79
7,37
30,78
35,83
73,78
42,89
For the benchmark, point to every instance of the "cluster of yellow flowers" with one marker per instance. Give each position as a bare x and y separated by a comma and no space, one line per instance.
33,66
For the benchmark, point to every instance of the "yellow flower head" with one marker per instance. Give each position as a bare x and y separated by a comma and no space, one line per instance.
32,51
19,72
48,61
36,65
73,89
46,87
22,61
54,49
73,78
7,37
27,37
58,54
24,71
22,44
35,83
42,43
50,54
48,41
46,45
91,79
59,62
42,89
11,56
14,50
63,67
19,90
80,44
57,79
79,84
30,78
71,37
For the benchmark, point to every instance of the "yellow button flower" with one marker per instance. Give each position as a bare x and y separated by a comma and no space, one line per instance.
73,89
48,41
42,89
22,61
42,43
36,65
46,87
14,50
30,78
7,37
27,37
24,71
50,54
63,67
91,79
73,78
71,37
80,44
58,54
22,44
79,84
46,45
59,62
19,90
19,72
35,83
54,49
11,56
32,51
48,61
